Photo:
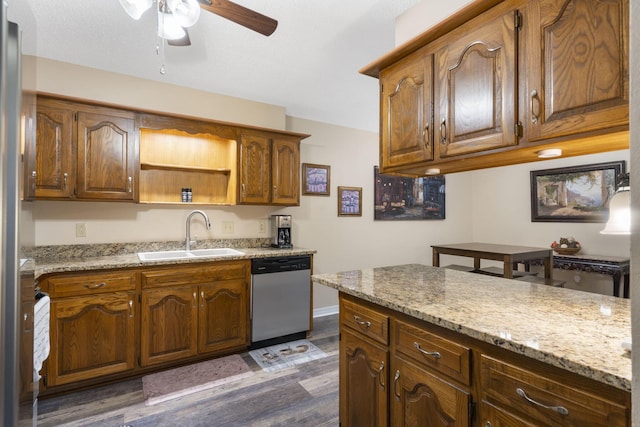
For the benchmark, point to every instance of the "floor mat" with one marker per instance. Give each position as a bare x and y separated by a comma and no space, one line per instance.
281,356
174,383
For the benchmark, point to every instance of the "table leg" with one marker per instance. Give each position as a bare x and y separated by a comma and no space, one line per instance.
616,283
626,286
507,270
436,258
548,268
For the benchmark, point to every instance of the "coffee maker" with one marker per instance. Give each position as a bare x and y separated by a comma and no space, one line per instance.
281,229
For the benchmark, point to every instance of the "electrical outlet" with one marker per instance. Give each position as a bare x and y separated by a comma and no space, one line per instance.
81,230
227,227
262,226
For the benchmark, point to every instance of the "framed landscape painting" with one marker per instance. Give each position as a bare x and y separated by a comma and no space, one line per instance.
574,194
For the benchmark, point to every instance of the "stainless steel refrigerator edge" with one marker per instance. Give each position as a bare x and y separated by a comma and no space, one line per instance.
10,115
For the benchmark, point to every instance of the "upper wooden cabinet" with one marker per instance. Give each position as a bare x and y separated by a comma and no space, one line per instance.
269,169
84,152
406,111
511,78
475,87
577,66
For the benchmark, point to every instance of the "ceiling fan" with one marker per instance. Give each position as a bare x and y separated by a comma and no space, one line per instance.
175,16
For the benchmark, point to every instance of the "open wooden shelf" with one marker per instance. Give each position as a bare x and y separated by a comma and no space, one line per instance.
158,166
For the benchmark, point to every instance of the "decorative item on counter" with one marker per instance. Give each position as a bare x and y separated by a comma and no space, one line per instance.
184,195
189,195
566,246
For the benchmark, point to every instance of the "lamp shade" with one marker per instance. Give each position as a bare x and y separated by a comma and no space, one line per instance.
135,8
619,213
186,12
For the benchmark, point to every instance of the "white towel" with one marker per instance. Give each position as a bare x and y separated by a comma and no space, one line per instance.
40,334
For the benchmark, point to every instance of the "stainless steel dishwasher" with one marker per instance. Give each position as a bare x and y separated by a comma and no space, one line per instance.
280,299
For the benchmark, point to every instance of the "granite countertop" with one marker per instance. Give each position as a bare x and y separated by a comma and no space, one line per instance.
59,259
577,331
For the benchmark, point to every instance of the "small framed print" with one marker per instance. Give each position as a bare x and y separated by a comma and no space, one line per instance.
349,201
316,179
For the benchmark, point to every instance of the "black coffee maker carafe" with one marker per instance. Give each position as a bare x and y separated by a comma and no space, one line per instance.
281,229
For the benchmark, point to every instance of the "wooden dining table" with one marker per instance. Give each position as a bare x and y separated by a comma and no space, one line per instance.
510,255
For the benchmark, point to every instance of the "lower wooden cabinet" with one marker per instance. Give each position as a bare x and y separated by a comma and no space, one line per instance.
364,381
113,324
438,377
91,336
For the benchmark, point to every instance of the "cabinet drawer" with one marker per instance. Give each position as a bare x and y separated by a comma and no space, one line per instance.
64,286
546,402
432,351
194,274
365,320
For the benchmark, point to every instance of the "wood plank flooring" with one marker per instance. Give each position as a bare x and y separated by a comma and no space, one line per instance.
303,396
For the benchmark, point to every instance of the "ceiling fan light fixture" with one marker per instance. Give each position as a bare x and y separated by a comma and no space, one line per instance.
168,27
185,12
135,8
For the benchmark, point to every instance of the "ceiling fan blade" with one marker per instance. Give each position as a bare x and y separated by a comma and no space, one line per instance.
182,41
241,15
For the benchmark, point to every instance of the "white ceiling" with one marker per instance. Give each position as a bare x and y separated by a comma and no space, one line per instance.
309,65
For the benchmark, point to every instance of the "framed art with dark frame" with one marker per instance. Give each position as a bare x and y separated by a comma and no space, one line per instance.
316,179
574,194
349,201
398,198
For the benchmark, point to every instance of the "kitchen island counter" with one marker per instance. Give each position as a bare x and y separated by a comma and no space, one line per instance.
575,331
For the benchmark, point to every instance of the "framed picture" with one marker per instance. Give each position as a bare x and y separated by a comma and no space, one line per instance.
399,198
574,194
316,179
349,201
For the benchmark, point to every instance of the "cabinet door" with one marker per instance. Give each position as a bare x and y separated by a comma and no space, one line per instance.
406,111
577,68
107,160
169,324
476,86
91,336
55,169
420,398
364,381
223,316
285,172
255,169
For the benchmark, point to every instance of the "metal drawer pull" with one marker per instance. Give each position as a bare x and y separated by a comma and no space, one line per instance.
130,308
362,322
395,385
95,286
559,409
435,354
201,298
534,116
443,132
380,374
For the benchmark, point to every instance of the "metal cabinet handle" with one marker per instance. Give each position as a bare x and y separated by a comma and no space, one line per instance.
64,180
559,409
487,424
95,285
130,308
201,298
244,190
443,131
435,354
130,182
33,180
395,385
365,323
425,136
534,116
195,299
380,374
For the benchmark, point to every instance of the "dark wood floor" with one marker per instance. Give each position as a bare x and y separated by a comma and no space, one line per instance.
303,396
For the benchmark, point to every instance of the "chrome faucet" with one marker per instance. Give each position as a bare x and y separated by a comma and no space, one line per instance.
188,241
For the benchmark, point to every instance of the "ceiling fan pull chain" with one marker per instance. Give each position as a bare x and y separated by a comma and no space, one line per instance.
160,43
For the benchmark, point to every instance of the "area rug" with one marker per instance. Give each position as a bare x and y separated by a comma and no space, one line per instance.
281,356
167,385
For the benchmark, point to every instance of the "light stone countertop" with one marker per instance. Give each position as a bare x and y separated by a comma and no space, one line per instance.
61,259
577,331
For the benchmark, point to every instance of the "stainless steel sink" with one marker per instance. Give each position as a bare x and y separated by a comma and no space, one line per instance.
182,254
